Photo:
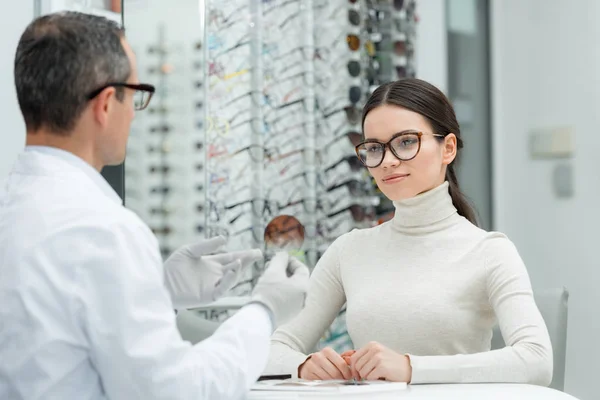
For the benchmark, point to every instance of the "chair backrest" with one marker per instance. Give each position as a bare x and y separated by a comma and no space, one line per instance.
193,327
554,307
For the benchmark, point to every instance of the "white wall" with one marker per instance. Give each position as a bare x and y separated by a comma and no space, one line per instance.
13,128
546,73
432,43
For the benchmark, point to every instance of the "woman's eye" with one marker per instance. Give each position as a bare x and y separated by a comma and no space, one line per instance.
407,142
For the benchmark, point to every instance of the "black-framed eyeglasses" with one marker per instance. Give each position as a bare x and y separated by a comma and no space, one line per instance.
404,146
141,98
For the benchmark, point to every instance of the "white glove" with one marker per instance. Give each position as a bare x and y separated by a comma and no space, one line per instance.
282,288
194,276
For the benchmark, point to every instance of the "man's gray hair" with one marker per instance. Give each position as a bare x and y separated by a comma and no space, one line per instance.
61,58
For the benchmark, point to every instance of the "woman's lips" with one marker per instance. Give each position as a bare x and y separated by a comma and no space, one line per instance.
395,178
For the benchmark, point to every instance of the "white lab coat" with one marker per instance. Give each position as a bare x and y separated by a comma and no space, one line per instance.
83,310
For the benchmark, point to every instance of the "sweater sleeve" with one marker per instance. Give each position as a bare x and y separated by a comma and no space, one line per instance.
527,357
291,343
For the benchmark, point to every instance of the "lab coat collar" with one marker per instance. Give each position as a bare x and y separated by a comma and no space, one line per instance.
59,162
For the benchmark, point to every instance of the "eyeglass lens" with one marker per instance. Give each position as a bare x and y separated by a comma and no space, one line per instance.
405,147
141,99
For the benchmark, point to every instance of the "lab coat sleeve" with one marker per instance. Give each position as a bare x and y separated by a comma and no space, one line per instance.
130,324
527,357
292,342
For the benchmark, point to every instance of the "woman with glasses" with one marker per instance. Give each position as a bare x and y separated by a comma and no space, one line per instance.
424,290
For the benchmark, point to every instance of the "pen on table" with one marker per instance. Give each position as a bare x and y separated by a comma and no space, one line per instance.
274,377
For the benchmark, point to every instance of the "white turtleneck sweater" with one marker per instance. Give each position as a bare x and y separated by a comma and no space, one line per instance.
428,284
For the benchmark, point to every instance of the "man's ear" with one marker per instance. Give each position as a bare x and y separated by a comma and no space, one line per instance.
450,147
102,104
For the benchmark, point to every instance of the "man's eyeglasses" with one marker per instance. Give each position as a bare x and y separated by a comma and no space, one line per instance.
142,96
404,146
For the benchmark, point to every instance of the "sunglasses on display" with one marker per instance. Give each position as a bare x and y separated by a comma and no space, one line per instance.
353,42
217,19
406,25
257,233
159,169
259,153
354,17
353,114
273,131
310,205
354,163
237,217
164,230
158,110
403,48
159,50
289,18
354,186
404,146
274,155
283,171
404,72
260,207
164,189
160,129
277,5
355,94
354,68
326,230
374,19
243,41
163,148
162,211
164,69
359,213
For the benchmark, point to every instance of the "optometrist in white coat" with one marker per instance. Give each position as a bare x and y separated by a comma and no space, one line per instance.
86,304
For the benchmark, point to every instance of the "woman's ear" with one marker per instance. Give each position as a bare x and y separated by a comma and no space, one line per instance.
450,146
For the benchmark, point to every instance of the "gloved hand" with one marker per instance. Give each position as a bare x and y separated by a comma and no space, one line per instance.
194,276
282,288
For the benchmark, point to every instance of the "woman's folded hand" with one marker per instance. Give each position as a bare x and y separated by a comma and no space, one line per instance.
375,361
325,365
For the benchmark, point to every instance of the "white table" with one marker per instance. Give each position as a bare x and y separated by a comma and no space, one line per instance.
435,392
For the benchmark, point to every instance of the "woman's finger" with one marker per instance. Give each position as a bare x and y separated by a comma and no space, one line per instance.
366,370
375,374
348,353
339,363
318,372
359,360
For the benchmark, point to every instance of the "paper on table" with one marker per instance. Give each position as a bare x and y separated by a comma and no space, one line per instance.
339,386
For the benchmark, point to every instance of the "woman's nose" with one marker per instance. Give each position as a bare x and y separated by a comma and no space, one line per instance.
390,160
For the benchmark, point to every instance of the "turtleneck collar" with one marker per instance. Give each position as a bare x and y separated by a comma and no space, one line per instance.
427,212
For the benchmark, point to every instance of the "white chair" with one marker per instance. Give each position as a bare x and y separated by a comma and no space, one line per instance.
554,307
